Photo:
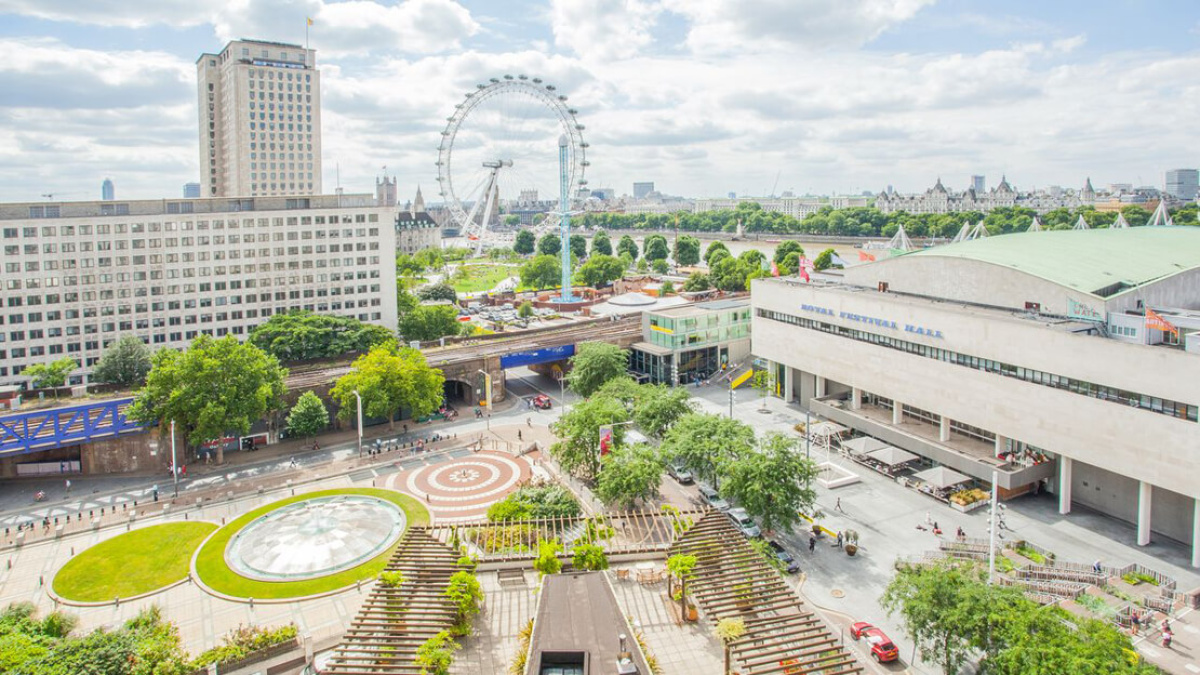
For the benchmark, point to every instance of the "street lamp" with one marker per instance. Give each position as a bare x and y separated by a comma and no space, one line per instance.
807,435
732,396
174,465
487,388
358,398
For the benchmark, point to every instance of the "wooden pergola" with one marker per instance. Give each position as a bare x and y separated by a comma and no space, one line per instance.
732,580
394,621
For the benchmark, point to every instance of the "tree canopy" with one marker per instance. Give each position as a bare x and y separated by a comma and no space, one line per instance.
687,250
628,245
713,248
629,475
697,281
525,242
308,417
299,335
214,387
601,244
53,374
657,407
784,248
125,363
824,260
578,450
430,322
390,379
601,270
773,482
441,291
656,247
578,246
543,271
706,442
549,244
595,363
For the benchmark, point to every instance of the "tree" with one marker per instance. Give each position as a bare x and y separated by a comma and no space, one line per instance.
589,557
642,266
435,258
706,443
543,271
465,593
436,655
525,242
600,270
215,387
299,335
390,378
729,275
764,383
682,567
698,281
512,220
578,448
434,292
784,248
549,244
668,288
547,561
595,363
430,322
125,363
578,247
53,374
660,266
728,631
658,407
824,260
525,310
713,248
656,247
687,250
629,475
752,259
628,245
790,264
405,301
717,256
774,482
308,417
601,244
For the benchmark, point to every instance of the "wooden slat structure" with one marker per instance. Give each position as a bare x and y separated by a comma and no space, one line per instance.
732,580
623,533
393,622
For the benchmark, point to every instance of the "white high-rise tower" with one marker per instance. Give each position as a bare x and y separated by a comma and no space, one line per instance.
260,120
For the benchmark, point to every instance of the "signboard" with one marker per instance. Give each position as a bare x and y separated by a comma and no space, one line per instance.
606,439
1078,310
546,355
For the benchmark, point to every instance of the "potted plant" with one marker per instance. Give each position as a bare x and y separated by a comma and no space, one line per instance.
851,538
682,567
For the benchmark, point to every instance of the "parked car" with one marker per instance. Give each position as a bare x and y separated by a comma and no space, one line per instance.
710,497
744,522
789,561
883,649
680,473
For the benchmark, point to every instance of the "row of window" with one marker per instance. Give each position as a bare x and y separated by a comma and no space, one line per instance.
30,232
264,74
1143,401
143,291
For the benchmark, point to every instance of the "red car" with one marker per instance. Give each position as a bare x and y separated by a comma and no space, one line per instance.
541,402
882,647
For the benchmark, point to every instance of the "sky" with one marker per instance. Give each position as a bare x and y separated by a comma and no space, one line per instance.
702,97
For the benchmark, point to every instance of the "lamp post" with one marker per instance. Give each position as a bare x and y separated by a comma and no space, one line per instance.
358,400
487,388
731,399
562,391
807,435
174,465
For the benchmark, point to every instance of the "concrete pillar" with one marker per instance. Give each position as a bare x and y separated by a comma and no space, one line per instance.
1196,533
789,381
1064,485
1145,498
1001,444
944,429
897,413
820,387
855,398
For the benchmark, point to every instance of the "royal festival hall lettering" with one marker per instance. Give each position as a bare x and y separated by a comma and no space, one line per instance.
873,321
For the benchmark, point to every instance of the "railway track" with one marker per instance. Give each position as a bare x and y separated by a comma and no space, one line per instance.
440,357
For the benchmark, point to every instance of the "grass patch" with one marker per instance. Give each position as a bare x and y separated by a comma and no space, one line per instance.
132,563
1031,554
212,570
477,278
1135,578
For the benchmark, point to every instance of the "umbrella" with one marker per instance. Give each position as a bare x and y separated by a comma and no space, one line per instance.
891,456
863,445
941,477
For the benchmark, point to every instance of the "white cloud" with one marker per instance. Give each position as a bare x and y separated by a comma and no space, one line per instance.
126,13
601,30
732,26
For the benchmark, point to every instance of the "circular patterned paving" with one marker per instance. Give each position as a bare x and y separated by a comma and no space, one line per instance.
462,489
314,538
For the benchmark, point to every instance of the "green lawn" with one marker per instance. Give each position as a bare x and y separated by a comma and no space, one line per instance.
482,277
212,570
132,563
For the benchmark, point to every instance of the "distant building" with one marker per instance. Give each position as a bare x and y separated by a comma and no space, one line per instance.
796,207
107,191
415,228
682,344
979,184
260,120
385,192
1183,184
191,191
938,199
640,190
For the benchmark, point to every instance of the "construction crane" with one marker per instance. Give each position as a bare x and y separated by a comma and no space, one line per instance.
52,195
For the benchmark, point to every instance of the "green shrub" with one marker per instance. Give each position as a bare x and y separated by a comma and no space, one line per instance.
436,655
589,557
391,579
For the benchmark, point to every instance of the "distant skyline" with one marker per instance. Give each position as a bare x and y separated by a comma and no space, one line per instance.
702,97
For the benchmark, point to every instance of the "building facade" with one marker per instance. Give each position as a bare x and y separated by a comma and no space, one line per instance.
415,228
1183,184
191,190
107,191
939,199
1016,354
682,344
260,120
641,190
78,275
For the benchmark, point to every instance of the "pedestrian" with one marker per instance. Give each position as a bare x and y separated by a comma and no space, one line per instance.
936,530
68,485
839,540
529,421
183,470
812,544
1166,638
1097,567
960,535
1135,622
519,435
292,463
838,506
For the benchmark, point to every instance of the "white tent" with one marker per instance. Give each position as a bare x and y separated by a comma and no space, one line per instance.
826,429
1161,217
892,456
1035,226
900,241
941,477
863,445
1080,224
1120,223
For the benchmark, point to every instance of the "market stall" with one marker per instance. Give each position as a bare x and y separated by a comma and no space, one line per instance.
939,482
889,460
857,447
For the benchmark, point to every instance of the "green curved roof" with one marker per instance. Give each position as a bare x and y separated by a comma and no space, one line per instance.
1103,262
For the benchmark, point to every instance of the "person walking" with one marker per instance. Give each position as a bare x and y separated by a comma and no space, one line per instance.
839,540
812,544
838,506
68,486
519,435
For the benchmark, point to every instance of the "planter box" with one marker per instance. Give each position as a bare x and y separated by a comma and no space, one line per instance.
970,507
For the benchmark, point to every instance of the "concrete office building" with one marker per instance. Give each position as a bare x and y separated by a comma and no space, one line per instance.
641,190
681,344
78,275
1028,354
979,184
260,120
191,191
107,191
1183,184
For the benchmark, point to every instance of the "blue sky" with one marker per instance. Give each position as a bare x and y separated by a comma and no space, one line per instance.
701,96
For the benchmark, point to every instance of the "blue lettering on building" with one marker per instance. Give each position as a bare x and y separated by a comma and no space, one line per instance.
873,321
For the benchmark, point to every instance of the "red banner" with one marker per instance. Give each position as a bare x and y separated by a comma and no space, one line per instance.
1154,320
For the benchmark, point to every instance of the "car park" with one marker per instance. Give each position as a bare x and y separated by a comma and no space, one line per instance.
744,523
882,648
680,473
711,498
784,556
